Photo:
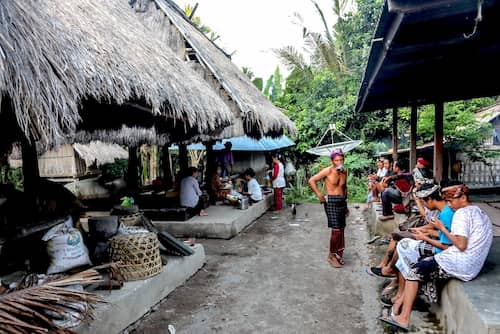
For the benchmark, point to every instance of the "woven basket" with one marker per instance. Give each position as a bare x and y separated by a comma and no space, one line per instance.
134,219
138,254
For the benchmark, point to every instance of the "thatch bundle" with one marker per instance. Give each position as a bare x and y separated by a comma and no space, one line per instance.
34,309
258,115
54,55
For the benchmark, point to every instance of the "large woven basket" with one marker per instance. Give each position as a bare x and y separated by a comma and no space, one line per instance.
138,254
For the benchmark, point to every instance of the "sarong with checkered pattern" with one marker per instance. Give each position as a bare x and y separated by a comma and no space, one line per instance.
336,209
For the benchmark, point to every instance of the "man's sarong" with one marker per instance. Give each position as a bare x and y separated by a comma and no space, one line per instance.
336,209
410,251
337,243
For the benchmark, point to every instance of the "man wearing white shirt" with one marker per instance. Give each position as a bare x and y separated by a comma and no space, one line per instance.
471,236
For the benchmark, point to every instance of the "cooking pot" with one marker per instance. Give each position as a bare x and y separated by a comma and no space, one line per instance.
243,203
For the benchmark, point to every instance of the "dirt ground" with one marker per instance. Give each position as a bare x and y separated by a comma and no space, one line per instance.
274,278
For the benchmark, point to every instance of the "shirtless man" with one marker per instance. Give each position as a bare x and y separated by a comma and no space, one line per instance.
335,203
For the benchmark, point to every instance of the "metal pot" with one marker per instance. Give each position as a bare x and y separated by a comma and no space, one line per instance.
243,203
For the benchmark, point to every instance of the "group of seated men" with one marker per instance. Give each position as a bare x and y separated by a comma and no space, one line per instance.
191,194
453,242
392,185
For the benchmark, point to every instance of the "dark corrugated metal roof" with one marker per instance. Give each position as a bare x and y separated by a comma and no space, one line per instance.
420,54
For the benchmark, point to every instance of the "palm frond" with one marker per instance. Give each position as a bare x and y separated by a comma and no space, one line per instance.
35,309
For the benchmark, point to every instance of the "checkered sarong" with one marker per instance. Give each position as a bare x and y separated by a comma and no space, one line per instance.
336,209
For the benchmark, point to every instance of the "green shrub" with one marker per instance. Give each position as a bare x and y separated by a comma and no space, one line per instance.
13,176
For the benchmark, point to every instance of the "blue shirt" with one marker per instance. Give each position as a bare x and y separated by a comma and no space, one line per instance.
446,216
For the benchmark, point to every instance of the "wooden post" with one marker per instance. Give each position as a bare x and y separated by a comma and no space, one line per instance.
394,134
167,167
438,141
31,173
211,167
413,136
183,158
133,166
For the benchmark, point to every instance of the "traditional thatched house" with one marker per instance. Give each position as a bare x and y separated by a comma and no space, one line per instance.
254,114
93,65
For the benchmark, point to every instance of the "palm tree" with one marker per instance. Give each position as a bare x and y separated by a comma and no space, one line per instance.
327,50
189,11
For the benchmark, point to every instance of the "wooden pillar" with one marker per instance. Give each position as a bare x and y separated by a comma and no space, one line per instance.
438,141
211,167
394,134
133,166
413,136
31,173
167,167
183,158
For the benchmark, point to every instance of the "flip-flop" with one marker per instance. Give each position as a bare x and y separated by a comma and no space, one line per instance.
391,321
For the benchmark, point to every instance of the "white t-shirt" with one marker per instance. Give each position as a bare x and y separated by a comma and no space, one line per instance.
381,172
472,223
254,190
279,181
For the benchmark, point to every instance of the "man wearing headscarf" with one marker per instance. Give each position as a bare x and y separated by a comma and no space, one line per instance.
335,203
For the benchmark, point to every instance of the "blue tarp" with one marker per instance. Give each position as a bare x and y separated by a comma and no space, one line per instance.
245,143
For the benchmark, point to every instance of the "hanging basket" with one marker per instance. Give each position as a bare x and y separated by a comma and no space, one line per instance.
138,254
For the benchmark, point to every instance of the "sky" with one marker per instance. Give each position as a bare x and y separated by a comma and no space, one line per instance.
253,27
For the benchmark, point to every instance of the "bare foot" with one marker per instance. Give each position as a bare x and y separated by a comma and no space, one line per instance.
334,262
203,213
340,259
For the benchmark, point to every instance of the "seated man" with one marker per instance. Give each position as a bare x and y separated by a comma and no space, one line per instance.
401,183
430,204
377,186
253,187
422,243
191,192
471,235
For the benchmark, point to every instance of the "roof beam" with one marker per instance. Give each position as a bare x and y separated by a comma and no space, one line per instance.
412,6
387,45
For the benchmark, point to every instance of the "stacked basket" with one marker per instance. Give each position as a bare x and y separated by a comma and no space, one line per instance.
138,254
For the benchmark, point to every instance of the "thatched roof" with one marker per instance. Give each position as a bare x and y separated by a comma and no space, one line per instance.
100,153
56,55
258,115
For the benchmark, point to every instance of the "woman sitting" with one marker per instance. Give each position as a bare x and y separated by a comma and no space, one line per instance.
218,189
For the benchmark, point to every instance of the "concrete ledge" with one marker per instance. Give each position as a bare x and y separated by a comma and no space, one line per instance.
222,222
473,307
382,228
130,303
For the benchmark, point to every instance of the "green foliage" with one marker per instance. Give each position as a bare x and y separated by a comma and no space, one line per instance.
13,176
114,170
299,191
258,83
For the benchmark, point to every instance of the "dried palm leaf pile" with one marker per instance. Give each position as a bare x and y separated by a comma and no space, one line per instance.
41,308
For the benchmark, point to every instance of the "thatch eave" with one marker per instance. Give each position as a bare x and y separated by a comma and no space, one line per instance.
54,55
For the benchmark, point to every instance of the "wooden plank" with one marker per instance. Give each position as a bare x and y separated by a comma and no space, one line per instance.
413,136
438,141
394,134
